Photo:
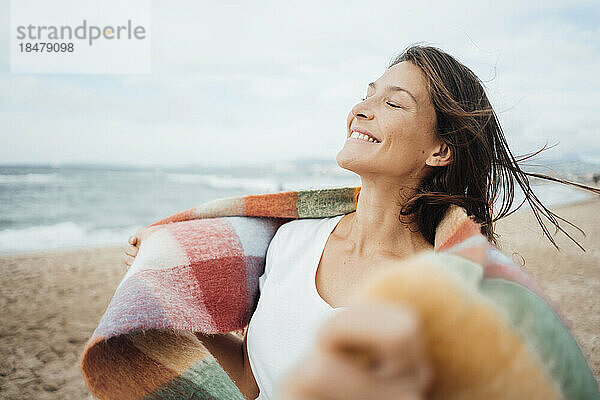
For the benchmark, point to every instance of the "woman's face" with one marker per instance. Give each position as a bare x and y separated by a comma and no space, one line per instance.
398,112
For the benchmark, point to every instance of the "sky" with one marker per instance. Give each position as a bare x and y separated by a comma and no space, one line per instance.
235,82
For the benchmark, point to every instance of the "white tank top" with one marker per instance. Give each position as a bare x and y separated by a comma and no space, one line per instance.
290,310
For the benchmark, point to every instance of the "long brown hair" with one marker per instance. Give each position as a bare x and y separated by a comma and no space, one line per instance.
482,168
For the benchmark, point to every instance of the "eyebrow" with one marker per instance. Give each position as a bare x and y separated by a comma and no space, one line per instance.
397,89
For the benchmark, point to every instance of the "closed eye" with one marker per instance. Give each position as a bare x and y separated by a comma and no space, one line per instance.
388,103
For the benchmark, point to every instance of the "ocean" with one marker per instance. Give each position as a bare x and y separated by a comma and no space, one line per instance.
60,207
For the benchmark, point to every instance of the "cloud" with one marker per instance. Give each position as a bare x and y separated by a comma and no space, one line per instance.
248,82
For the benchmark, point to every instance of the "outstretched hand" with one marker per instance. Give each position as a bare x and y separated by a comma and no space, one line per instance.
368,351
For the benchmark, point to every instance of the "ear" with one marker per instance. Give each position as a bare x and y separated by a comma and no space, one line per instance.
440,157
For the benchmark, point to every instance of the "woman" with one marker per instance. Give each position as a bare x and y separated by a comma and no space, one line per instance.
424,137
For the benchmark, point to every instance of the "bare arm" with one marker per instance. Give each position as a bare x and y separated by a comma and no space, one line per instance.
231,353
251,386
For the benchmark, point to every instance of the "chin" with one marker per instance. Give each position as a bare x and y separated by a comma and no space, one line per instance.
350,162
340,161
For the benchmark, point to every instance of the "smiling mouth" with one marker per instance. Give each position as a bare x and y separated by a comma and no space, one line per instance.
362,137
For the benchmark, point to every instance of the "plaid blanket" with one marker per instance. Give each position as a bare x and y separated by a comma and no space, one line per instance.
490,330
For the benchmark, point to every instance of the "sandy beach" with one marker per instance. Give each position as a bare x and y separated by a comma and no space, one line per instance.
52,301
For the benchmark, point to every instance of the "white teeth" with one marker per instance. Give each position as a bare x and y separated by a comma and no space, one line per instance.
358,135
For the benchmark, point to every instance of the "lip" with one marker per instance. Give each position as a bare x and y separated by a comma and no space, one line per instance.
363,131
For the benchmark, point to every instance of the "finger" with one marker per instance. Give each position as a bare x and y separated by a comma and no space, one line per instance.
128,260
381,337
355,382
411,362
132,239
131,250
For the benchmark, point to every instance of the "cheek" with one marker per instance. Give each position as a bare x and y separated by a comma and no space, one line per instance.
409,139
403,131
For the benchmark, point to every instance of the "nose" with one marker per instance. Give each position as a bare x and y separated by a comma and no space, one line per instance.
360,110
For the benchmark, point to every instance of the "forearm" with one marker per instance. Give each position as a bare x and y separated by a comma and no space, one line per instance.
228,350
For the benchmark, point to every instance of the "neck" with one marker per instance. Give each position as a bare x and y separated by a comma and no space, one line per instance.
375,229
